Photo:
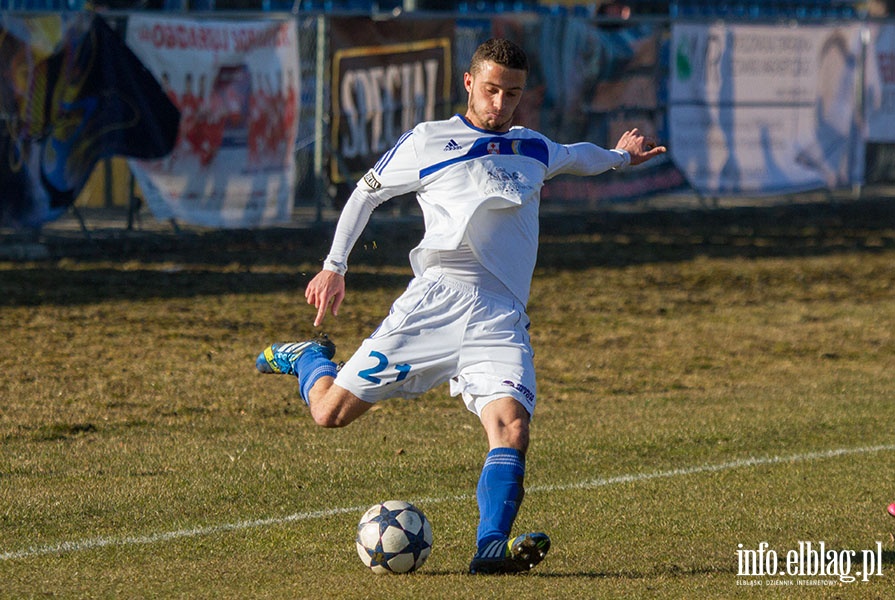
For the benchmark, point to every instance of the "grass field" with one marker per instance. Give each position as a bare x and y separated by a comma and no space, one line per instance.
707,383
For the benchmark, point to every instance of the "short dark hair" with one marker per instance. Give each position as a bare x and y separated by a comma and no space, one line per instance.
499,51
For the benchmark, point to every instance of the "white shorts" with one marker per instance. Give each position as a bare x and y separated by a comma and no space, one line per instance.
444,330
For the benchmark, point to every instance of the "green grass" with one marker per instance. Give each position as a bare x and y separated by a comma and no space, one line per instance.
142,456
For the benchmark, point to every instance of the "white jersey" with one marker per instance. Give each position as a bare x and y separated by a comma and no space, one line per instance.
475,187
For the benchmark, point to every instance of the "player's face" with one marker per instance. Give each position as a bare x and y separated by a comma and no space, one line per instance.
494,94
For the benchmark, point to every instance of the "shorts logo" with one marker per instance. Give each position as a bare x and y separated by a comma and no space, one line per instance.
370,180
527,393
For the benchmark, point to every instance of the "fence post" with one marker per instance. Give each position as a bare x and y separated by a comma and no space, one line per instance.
319,114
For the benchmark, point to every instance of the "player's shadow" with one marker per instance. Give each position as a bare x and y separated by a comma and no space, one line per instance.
663,571
541,572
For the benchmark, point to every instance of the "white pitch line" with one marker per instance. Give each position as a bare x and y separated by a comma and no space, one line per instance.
102,542
726,466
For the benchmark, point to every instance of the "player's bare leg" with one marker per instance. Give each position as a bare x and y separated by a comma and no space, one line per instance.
334,406
311,363
506,424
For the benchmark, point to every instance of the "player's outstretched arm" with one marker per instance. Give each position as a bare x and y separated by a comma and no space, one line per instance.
640,147
328,286
326,290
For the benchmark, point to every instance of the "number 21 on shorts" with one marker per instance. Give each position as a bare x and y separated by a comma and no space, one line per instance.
382,365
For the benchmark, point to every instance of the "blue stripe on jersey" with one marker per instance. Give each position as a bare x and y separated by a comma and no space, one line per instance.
384,160
532,148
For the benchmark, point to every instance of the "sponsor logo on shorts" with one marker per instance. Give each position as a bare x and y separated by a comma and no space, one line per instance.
370,180
527,393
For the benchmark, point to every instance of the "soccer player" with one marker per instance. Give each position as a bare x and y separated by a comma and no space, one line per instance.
462,318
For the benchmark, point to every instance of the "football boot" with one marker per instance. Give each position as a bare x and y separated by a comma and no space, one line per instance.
280,358
517,555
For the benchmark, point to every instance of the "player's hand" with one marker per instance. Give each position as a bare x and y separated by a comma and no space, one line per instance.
639,146
327,289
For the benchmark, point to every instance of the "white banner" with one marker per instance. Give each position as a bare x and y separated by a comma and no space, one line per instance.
879,93
236,84
764,109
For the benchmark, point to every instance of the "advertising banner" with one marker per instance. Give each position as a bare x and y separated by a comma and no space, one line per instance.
765,109
236,85
591,82
879,93
386,78
72,94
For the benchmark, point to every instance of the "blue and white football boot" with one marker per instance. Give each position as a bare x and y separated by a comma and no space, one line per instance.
280,358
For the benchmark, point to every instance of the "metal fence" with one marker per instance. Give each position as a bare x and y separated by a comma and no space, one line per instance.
313,190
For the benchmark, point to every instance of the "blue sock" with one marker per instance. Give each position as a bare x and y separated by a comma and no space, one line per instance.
311,366
499,494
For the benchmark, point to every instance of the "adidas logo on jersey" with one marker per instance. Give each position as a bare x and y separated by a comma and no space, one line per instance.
452,145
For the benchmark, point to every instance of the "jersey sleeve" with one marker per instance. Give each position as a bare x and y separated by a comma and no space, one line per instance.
351,224
584,159
396,172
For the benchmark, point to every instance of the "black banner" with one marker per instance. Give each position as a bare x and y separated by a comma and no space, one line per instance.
386,79
67,107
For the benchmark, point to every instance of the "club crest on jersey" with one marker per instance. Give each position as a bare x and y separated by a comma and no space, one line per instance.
370,180
493,147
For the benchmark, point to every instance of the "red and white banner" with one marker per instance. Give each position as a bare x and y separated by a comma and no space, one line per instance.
879,93
765,109
236,85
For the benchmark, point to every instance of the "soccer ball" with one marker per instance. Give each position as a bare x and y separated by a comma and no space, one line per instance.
394,537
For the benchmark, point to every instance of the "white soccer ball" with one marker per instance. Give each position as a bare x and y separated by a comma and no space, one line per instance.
394,537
